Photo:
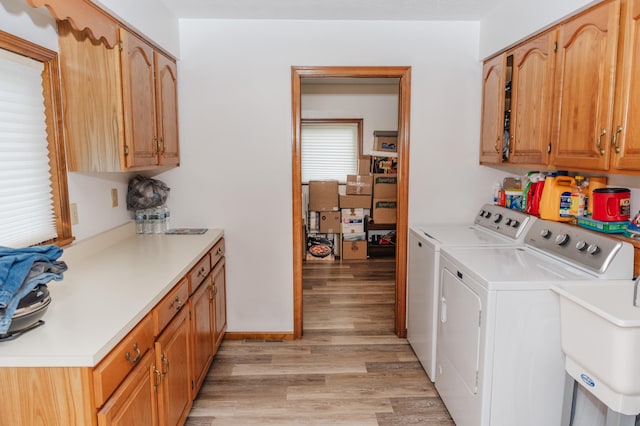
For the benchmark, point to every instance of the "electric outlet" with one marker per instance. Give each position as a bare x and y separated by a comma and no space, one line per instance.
74,213
114,197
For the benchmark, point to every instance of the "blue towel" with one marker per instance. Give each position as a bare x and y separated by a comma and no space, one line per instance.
15,265
40,273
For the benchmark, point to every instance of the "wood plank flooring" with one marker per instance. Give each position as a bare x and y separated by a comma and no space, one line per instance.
348,369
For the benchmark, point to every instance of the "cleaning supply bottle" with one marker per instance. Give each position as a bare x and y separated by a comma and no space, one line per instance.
577,201
556,198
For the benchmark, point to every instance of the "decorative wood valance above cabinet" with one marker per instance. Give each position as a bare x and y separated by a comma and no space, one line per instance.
566,98
83,15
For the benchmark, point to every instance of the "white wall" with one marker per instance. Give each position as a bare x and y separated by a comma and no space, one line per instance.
235,121
517,19
376,104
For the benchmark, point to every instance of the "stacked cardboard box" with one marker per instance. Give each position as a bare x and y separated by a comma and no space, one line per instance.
354,244
384,198
358,192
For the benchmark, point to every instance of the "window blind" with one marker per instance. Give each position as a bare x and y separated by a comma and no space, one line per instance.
329,151
26,198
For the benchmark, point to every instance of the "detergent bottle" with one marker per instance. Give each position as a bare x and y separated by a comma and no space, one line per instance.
556,198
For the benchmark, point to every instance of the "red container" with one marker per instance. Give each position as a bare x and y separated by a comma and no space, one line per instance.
611,204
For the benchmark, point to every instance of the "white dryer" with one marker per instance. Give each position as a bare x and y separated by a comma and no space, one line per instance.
492,226
499,360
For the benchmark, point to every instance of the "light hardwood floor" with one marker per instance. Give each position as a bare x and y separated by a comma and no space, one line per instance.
348,369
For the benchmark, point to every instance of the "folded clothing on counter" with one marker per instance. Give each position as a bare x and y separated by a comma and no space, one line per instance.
23,269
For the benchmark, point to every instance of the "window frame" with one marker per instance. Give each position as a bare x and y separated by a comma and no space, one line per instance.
356,121
55,138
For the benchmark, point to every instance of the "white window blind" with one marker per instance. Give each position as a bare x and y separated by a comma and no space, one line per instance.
329,151
26,198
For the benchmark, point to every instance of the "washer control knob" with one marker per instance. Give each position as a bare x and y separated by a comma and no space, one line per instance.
508,222
515,223
545,233
562,239
581,245
487,215
593,249
498,218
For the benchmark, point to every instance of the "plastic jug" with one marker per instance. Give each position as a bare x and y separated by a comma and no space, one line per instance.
556,188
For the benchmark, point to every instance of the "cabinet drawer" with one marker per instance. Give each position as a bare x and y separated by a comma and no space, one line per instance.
198,273
113,369
217,252
170,305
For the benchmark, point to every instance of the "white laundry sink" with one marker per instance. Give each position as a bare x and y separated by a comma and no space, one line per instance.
600,332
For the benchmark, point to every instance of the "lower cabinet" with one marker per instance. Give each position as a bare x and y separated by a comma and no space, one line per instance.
201,332
134,403
173,363
220,299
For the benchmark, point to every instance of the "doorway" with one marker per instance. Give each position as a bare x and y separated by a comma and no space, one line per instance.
403,74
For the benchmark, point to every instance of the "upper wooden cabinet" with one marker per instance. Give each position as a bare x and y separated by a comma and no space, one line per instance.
532,66
585,83
120,104
625,138
492,110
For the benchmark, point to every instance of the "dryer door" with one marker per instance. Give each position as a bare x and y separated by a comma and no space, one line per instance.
458,348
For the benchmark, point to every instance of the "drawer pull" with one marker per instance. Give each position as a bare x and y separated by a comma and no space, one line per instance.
135,358
177,304
202,272
219,252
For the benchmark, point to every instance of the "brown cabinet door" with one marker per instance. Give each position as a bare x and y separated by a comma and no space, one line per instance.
532,99
138,84
167,110
173,362
626,129
134,403
585,78
220,290
492,110
202,332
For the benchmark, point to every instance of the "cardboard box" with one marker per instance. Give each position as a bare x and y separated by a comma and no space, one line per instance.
385,185
385,140
314,222
355,201
364,165
359,185
352,221
354,250
323,195
384,210
329,222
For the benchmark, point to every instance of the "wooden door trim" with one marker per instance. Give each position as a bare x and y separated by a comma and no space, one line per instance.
404,76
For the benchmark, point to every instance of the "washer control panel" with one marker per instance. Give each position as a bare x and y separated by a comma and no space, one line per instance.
507,222
581,247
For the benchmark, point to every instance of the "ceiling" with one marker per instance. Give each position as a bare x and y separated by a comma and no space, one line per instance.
407,10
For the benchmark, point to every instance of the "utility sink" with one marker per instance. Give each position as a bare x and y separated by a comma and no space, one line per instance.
600,333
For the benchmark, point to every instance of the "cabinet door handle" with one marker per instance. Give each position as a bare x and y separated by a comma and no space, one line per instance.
161,143
599,141
165,363
136,358
614,139
496,145
158,378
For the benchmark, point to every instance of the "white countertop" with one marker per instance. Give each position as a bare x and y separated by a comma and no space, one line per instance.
113,280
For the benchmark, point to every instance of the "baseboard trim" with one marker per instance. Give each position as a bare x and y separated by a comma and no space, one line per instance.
258,336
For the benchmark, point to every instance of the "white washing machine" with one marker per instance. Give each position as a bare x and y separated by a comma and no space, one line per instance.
499,359
492,226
